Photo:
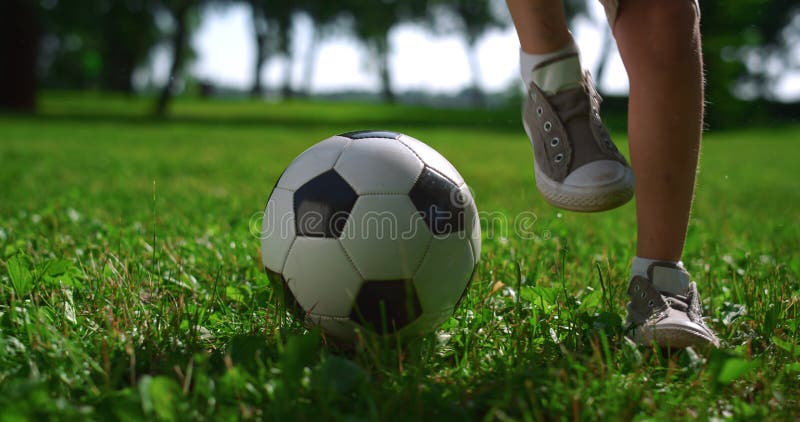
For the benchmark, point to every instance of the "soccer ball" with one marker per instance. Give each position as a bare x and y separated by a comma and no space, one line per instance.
371,231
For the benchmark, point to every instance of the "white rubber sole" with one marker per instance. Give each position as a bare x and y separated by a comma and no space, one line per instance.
585,199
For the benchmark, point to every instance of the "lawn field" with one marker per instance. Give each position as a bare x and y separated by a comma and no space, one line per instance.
131,285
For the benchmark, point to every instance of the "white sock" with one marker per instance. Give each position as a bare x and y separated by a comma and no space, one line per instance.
551,79
674,280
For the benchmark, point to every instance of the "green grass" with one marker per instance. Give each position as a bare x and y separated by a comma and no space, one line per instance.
131,287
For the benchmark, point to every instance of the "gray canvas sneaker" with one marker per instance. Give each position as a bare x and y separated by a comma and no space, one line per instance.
576,164
664,309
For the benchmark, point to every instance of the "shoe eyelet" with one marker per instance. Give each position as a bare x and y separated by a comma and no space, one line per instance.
650,303
558,158
642,295
547,126
539,110
635,287
554,142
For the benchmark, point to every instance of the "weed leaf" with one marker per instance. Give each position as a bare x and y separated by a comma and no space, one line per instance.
20,273
734,368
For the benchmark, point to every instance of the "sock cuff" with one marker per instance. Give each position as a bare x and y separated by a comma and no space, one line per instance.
552,71
671,277
531,60
640,265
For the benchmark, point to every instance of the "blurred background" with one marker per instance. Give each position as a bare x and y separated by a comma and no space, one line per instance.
445,53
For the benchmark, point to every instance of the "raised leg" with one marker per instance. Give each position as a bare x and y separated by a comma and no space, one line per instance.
577,166
541,25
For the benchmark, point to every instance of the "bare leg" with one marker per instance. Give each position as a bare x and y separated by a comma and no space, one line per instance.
659,42
541,25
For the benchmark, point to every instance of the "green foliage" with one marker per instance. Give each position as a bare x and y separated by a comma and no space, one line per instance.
131,286
97,43
737,45
20,274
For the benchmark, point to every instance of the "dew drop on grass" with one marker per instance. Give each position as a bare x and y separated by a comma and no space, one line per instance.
73,215
509,292
553,335
469,315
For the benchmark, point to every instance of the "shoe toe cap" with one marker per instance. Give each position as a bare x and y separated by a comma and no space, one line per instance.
598,173
678,334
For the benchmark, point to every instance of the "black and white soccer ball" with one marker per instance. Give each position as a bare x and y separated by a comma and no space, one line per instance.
372,231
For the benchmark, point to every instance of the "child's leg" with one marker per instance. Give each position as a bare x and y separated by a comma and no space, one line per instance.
541,25
659,41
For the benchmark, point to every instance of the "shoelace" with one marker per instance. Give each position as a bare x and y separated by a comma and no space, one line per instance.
594,96
677,302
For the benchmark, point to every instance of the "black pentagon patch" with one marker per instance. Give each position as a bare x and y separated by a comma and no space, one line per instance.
322,205
439,201
284,293
362,134
386,306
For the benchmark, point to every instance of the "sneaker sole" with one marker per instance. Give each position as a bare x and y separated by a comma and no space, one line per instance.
585,199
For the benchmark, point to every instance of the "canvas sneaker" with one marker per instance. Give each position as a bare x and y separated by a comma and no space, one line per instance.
577,166
664,309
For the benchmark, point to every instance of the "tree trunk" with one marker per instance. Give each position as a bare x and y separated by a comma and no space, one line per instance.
119,51
310,62
286,49
260,30
19,51
286,89
382,50
478,96
178,48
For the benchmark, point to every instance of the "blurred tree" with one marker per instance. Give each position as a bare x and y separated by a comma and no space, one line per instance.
371,23
323,15
127,34
472,18
96,43
280,15
260,30
70,45
272,25
180,11
20,34
745,48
